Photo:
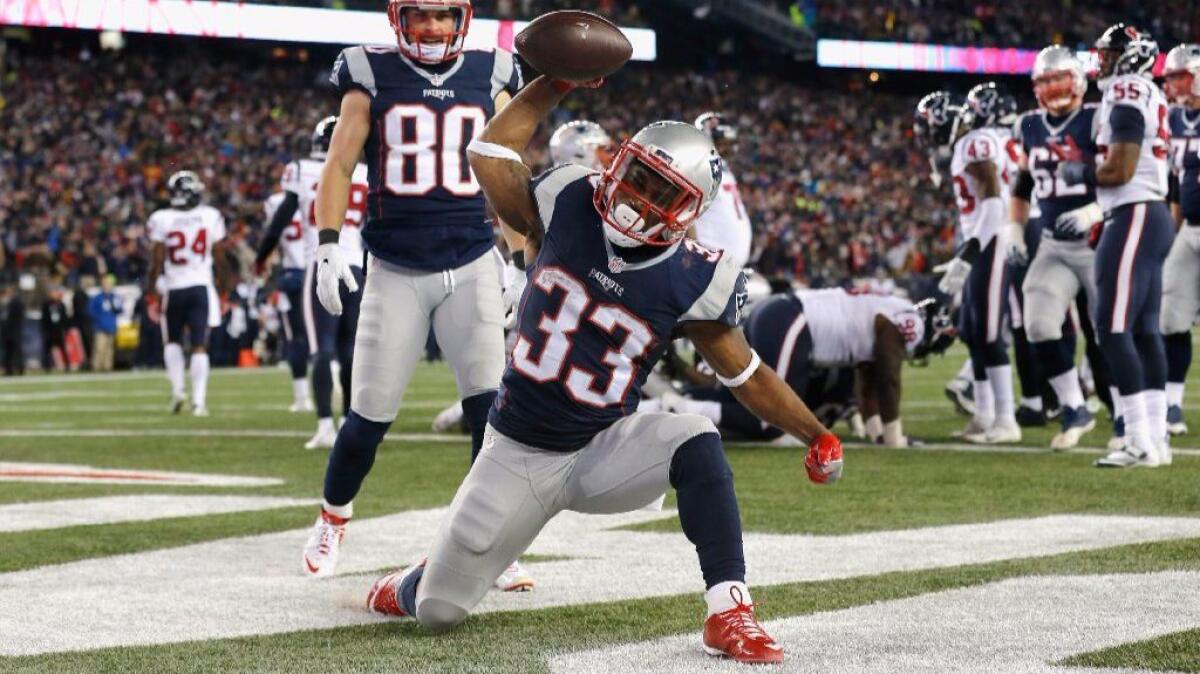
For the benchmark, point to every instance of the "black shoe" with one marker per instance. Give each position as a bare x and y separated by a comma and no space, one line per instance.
1027,417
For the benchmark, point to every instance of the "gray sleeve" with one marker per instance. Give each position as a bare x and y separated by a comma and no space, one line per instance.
352,70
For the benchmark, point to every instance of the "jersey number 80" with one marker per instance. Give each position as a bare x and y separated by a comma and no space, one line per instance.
427,149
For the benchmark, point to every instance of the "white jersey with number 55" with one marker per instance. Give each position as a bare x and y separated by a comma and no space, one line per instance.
1149,182
992,145
188,236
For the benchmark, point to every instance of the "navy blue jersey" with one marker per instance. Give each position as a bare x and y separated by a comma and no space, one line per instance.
425,210
593,326
1039,132
1185,160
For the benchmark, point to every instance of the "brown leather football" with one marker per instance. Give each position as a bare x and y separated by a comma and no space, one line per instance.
573,45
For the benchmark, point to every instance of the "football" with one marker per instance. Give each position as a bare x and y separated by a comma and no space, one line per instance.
574,45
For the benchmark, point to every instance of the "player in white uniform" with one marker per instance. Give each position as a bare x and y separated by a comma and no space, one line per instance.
726,225
801,332
186,240
982,168
1181,271
294,253
1130,175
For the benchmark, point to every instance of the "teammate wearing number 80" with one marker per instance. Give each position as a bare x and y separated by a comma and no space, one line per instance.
413,108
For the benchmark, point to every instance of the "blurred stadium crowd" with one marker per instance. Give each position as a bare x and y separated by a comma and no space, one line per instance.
835,187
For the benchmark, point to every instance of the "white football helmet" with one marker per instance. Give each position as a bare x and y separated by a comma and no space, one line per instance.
1182,72
660,182
412,43
581,142
1059,80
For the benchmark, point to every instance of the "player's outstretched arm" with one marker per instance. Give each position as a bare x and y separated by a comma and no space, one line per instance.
767,396
495,155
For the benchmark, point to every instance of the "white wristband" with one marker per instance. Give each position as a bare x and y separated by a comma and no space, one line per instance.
742,378
494,151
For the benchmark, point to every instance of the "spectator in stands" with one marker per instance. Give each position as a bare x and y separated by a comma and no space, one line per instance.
55,322
104,308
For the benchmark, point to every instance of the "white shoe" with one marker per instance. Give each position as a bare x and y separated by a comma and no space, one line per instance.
1003,432
514,579
324,544
1164,453
177,402
323,439
1127,458
1076,423
200,411
301,406
448,418
974,432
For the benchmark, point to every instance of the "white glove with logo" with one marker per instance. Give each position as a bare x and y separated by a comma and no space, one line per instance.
1018,253
514,286
1079,222
332,269
954,275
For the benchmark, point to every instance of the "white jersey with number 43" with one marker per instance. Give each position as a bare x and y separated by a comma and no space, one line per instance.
1149,182
302,177
188,236
982,145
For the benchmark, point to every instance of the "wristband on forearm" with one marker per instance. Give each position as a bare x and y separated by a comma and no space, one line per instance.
518,259
327,235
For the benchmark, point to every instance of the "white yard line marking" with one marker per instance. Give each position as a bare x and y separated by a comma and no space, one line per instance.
41,515
254,585
1017,626
59,472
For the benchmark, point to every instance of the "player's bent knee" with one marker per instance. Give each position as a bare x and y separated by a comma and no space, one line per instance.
1042,327
700,460
1173,322
439,615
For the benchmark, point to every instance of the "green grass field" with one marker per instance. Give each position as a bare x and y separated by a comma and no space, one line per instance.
121,423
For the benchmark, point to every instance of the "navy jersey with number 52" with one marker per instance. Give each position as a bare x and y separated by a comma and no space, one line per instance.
425,210
1185,159
1040,133
592,328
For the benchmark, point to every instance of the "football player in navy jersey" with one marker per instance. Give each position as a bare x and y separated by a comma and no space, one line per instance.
1181,271
1130,176
613,282
412,109
1051,222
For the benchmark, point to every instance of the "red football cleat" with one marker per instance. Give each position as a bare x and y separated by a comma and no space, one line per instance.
736,634
383,597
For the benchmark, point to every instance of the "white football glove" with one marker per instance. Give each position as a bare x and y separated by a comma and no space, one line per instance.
1079,221
332,269
954,275
514,286
1018,253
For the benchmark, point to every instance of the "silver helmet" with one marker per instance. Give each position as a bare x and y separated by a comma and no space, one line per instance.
660,182
581,142
185,189
1053,92
1183,60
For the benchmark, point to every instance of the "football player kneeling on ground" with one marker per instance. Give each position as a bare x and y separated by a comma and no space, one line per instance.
810,330
616,272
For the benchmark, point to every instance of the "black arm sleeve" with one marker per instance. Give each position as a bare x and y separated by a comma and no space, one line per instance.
1172,188
1023,189
1128,125
283,215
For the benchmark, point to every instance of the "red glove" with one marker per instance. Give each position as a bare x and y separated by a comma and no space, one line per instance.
567,86
1094,235
824,460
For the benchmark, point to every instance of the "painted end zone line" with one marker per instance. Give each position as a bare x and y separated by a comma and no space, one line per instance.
54,472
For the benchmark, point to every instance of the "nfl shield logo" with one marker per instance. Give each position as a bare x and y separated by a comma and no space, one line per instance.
616,265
